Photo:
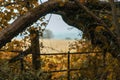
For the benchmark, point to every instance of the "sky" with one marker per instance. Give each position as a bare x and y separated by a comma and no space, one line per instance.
60,29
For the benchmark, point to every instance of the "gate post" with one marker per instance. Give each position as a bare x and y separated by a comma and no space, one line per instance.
68,70
34,37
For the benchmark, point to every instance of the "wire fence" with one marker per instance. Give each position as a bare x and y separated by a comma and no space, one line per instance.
69,69
68,56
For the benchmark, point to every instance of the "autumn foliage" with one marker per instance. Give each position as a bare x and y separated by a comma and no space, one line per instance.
91,66
98,20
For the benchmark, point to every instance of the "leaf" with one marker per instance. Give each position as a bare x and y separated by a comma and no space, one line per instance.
99,28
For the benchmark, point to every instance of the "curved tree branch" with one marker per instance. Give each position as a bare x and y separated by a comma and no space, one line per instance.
29,18
52,6
114,37
94,16
26,20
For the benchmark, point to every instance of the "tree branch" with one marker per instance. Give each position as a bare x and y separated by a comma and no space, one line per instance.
93,15
20,55
98,19
24,21
34,14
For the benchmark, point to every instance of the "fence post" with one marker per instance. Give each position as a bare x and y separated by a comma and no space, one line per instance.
34,36
68,70
21,63
104,61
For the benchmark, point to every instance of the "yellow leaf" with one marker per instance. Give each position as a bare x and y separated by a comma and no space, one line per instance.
99,28
112,28
62,2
